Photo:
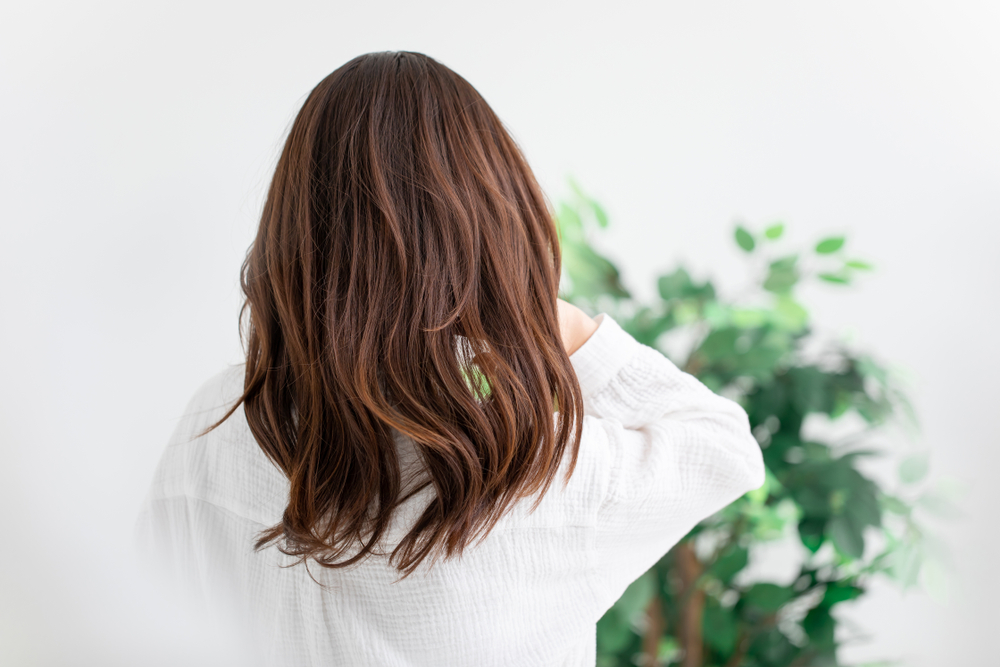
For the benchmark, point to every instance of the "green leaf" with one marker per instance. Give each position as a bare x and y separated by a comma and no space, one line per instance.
914,468
744,239
774,231
748,318
613,632
599,214
731,562
720,344
674,285
811,533
635,598
591,274
678,285
686,311
858,264
870,368
648,324
846,537
667,650
719,628
839,591
811,389
614,629
789,314
575,187
768,597
835,278
758,496
782,275
863,509
829,245
768,521
771,648
905,563
712,381
819,625
895,505
811,492
786,262
569,223
717,315
841,404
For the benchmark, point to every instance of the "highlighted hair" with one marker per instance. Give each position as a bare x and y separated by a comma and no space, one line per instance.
404,276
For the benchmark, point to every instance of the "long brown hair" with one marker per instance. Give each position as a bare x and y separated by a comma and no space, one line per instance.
404,276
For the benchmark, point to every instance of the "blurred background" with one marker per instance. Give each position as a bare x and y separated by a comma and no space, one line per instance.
138,139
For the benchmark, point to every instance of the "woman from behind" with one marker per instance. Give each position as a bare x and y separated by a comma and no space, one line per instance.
374,486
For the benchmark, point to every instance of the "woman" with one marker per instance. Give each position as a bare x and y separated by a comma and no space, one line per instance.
373,486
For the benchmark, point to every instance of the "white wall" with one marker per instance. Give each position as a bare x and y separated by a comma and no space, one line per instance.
137,138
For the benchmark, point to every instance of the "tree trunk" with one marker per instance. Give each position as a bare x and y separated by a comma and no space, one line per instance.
689,569
654,630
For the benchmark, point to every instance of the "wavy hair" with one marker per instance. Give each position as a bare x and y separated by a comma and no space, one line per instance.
404,276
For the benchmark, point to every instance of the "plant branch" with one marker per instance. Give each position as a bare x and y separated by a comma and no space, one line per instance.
742,644
690,569
654,631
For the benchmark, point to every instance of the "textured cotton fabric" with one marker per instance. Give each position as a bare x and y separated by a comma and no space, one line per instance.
659,453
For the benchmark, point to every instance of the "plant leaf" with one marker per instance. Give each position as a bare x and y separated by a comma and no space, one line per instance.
811,533
744,239
613,632
672,286
720,628
914,468
829,245
894,505
774,231
569,225
839,591
637,596
591,274
769,597
599,214
834,278
858,264
846,537
731,562
789,314
782,275
820,626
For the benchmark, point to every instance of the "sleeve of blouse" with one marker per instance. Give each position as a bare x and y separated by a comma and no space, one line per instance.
675,451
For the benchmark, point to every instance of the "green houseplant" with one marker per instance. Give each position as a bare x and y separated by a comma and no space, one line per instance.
693,608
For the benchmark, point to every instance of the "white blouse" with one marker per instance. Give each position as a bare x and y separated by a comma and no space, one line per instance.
659,453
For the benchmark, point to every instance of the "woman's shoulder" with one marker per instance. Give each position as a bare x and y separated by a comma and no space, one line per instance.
224,466
219,391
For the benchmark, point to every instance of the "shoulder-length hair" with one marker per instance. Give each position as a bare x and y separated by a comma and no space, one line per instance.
404,276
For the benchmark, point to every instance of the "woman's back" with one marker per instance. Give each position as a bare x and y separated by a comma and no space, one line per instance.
659,452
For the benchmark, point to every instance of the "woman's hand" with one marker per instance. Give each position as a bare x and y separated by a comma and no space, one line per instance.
575,325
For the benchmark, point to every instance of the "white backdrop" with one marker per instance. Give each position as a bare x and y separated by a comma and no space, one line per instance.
137,139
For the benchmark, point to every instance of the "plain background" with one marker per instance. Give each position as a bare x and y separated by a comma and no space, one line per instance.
138,138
